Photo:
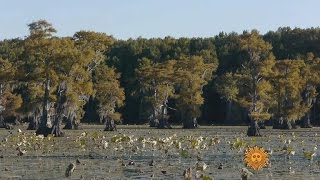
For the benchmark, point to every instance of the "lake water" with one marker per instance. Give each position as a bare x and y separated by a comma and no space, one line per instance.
106,155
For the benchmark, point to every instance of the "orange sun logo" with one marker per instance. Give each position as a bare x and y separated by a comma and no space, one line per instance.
256,158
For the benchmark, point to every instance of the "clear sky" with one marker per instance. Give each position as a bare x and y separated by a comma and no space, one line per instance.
157,18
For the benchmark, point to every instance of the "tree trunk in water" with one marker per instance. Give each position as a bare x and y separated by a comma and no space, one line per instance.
287,125
163,118
190,123
90,107
254,129
278,123
306,121
262,125
71,122
2,123
110,125
294,124
154,122
56,128
309,101
45,121
281,123
153,119
34,123
17,120
163,124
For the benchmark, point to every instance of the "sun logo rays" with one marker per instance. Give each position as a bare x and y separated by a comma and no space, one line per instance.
256,158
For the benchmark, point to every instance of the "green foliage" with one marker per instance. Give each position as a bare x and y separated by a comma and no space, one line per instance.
127,78
228,52
120,138
192,75
289,84
255,90
9,102
227,87
41,29
156,82
131,59
108,92
238,144
294,43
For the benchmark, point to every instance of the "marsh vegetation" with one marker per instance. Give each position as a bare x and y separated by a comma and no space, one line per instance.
145,153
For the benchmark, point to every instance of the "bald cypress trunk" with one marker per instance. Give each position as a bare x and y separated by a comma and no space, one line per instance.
262,125
110,125
45,121
2,123
306,121
190,123
281,123
287,125
153,119
277,123
254,129
56,128
163,124
163,117
154,122
34,122
71,124
71,121
309,101
278,119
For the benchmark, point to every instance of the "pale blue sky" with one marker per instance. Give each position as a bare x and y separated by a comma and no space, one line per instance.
157,18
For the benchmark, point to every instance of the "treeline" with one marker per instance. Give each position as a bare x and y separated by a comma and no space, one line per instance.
47,80
232,79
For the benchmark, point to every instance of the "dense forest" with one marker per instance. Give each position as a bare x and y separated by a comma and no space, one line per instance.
230,79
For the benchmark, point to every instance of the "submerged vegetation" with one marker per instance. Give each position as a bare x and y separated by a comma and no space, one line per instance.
144,152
